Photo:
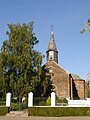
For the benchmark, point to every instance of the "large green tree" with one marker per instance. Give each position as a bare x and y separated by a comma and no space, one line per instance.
1,80
21,63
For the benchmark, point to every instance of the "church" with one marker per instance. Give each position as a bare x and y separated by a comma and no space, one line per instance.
64,84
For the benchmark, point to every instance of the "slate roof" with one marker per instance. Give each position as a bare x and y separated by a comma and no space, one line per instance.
52,45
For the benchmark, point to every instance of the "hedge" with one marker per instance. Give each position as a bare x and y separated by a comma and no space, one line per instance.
3,111
59,111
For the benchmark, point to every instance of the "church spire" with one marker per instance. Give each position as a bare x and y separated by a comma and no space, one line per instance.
52,45
52,53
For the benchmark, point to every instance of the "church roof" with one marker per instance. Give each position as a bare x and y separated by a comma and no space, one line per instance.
59,68
52,45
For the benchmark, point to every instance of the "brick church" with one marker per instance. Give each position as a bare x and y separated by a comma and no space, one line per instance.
65,85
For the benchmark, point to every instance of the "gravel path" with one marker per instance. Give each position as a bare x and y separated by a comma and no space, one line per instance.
43,118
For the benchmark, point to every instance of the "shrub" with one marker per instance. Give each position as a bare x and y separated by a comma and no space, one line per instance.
3,111
42,103
61,100
65,100
59,111
18,106
14,106
39,101
48,101
23,106
2,101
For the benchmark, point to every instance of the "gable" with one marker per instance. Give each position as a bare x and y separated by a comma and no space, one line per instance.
53,65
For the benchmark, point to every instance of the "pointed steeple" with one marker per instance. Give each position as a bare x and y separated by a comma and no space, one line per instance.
52,53
52,45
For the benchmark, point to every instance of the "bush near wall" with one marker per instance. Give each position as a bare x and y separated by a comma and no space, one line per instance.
3,111
18,106
58,111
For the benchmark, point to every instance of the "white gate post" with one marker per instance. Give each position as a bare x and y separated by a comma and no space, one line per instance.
8,99
30,99
52,99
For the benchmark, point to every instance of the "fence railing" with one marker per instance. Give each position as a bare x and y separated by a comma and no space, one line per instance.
39,101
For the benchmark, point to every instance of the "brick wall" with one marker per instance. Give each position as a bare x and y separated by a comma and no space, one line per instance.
80,86
65,85
60,79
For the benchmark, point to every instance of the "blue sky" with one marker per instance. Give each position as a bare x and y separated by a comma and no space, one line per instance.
68,17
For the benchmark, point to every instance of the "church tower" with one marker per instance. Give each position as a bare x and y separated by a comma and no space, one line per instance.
52,53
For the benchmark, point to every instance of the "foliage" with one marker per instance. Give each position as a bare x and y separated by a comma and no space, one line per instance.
75,76
48,101
87,26
59,111
1,79
46,83
21,63
61,100
42,103
88,89
39,101
2,101
18,106
3,111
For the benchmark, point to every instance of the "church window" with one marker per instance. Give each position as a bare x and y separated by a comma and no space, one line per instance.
51,55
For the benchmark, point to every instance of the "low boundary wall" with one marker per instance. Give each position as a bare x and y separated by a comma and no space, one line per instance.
79,103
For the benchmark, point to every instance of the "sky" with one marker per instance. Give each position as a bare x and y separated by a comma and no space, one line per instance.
68,17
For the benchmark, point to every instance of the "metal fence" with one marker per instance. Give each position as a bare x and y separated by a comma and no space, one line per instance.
39,101
43,101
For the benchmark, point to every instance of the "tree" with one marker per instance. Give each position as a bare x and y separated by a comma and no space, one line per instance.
88,89
87,26
75,76
88,85
21,63
1,81
46,82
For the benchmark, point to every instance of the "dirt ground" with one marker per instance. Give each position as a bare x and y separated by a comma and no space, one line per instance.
43,118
